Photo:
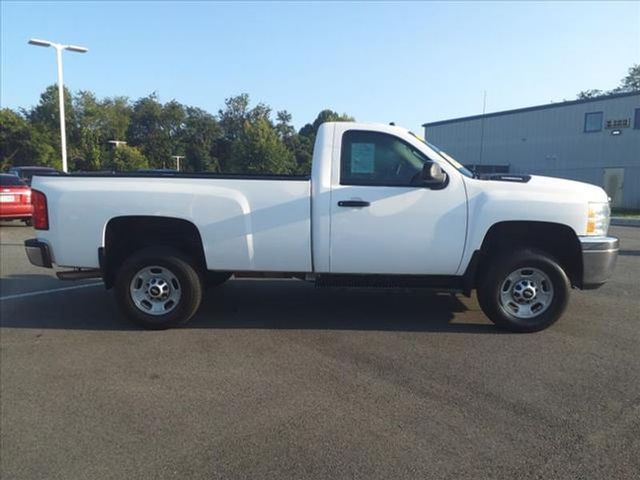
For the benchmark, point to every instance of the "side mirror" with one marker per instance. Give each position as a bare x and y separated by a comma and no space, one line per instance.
433,176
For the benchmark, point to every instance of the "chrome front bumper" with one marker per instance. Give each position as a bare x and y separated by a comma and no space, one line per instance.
599,255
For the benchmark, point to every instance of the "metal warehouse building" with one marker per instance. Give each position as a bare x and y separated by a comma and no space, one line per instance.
596,140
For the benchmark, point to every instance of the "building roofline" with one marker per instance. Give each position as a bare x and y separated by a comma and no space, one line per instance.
531,109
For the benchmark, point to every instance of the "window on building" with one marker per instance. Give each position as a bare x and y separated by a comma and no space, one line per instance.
373,158
636,120
592,122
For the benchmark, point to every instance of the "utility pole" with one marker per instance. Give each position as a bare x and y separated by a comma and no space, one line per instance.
59,48
484,109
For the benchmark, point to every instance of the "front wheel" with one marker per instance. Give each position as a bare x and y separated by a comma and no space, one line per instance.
158,288
525,291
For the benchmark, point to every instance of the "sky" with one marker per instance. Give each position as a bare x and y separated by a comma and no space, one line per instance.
410,63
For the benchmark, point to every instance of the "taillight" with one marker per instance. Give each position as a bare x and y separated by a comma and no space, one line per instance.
40,217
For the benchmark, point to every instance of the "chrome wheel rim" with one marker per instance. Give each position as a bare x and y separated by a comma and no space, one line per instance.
526,293
155,290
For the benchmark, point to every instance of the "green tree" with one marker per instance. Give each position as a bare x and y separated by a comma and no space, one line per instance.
89,152
117,113
233,116
98,122
155,129
311,129
303,145
45,117
21,144
124,158
283,125
260,150
88,147
47,111
200,135
234,119
592,93
630,83
15,139
110,116
241,138
302,148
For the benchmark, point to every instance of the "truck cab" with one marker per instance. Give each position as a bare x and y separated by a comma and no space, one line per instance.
373,210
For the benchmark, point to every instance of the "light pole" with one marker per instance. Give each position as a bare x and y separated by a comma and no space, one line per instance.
178,158
59,48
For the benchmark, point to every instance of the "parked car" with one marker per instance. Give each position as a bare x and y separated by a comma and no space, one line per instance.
381,208
15,199
27,173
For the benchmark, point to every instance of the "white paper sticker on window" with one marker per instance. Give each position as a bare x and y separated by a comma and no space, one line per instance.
362,157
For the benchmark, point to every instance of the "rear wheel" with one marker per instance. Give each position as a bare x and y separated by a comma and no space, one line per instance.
158,288
525,291
28,222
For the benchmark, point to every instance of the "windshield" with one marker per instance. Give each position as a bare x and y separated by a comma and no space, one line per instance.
448,158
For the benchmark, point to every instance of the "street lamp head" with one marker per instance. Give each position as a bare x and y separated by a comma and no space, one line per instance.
40,43
75,48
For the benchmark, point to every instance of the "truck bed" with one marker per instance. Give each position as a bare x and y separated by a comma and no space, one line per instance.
245,224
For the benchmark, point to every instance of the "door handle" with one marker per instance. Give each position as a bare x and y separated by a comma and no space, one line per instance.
353,203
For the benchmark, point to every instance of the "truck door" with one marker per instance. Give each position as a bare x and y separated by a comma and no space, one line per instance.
382,221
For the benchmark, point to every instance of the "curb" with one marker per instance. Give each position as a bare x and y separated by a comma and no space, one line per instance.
625,222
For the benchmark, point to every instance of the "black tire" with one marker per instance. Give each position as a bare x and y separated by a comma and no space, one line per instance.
213,279
179,267
28,222
505,313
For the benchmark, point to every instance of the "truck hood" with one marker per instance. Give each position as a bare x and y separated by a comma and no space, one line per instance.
591,192
547,185
530,198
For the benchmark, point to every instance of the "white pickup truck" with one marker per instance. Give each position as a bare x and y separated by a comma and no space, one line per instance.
382,208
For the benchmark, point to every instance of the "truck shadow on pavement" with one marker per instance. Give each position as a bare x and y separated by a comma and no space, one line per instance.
286,304
261,304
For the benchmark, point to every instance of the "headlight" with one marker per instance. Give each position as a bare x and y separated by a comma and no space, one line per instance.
598,218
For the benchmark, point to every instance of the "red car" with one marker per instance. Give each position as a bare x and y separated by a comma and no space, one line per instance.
15,199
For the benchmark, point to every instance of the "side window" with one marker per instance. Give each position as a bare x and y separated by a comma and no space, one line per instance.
380,159
592,122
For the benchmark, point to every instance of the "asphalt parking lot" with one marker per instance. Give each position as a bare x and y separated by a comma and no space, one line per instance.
278,379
